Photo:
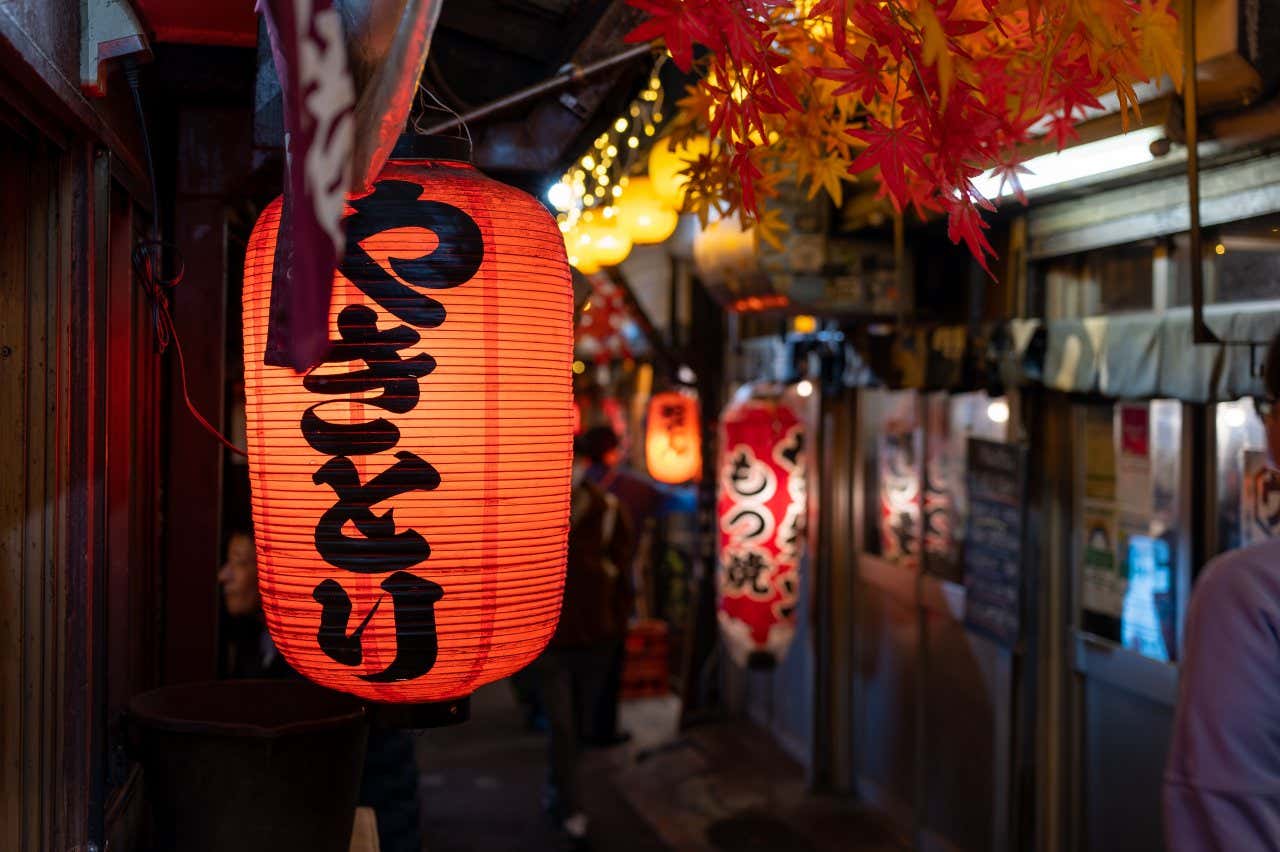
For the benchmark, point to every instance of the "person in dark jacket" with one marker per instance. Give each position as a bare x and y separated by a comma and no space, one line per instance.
1222,780
637,501
575,665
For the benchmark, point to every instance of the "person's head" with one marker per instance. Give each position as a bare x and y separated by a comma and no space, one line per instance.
599,446
238,575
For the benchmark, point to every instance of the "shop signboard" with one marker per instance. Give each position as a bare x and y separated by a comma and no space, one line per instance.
1259,498
993,549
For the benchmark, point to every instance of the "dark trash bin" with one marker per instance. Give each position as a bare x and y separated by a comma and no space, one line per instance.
250,765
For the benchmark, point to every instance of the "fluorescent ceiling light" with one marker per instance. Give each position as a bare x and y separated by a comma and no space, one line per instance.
1077,163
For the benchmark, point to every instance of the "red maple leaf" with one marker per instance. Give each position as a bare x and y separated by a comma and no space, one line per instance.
964,222
748,174
673,21
863,74
1063,129
894,150
1008,169
839,12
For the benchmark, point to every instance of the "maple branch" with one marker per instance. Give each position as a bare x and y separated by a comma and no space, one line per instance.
898,13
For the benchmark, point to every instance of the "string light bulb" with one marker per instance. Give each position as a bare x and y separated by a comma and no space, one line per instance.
599,178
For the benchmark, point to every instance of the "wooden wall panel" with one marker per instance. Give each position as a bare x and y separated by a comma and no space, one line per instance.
14,169
34,391
79,470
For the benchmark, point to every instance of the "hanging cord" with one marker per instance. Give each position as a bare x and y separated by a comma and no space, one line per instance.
443,107
147,267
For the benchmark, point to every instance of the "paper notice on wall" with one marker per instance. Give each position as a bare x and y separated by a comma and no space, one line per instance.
1259,498
1134,494
1104,581
1100,455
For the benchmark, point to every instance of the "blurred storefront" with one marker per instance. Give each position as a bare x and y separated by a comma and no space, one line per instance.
1010,482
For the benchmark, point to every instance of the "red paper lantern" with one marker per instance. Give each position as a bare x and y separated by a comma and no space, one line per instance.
673,440
762,509
411,493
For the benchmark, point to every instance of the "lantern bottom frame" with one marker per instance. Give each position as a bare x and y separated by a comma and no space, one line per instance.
425,714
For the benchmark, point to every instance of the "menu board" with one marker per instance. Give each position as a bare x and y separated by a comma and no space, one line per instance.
993,545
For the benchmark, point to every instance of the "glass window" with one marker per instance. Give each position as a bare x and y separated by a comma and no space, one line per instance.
1241,262
1102,281
1130,530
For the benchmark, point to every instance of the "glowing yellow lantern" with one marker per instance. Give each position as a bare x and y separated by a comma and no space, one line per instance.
666,165
608,244
578,247
643,215
725,252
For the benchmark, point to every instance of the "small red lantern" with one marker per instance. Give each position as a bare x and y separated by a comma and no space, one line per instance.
411,493
762,509
673,440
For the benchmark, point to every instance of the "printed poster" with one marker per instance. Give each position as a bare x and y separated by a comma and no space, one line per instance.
1100,455
1134,494
1105,581
1259,498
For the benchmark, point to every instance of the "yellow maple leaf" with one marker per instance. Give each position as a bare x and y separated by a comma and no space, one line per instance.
770,227
936,50
1157,29
1128,101
826,172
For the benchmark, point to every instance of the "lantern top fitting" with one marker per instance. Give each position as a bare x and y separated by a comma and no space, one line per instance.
415,146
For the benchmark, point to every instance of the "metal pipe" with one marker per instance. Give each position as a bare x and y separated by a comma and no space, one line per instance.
1200,332
573,74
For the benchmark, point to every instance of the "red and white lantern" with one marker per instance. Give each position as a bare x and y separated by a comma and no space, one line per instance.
762,512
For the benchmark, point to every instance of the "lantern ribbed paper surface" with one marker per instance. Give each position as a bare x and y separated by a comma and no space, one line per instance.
673,439
761,511
411,494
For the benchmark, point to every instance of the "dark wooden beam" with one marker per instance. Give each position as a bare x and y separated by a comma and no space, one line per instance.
213,157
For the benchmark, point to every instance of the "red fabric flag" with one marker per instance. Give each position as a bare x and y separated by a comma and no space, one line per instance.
319,103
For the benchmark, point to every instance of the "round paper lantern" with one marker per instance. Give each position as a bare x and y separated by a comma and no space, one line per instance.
411,493
725,252
761,510
666,165
673,440
579,249
609,244
644,216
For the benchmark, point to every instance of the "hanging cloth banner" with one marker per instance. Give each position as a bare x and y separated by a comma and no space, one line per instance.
319,102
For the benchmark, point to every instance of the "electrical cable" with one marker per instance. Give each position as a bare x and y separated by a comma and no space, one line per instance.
146,266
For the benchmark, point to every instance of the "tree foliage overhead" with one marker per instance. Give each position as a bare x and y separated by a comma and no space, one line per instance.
922,95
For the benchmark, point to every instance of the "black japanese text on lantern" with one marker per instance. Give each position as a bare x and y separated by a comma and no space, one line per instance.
379,548
750,521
